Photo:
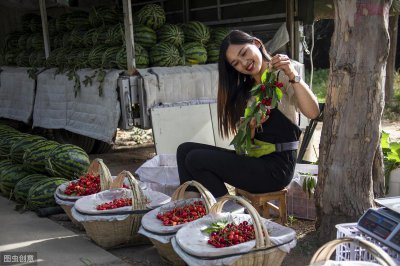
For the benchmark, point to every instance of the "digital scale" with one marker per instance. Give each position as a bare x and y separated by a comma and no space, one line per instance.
383,224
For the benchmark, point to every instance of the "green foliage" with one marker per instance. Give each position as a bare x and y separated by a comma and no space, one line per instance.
320,86
216,226
319,83
391,156
392,108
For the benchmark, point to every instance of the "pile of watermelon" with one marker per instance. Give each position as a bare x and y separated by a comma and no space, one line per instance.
96,39
32,167
170,44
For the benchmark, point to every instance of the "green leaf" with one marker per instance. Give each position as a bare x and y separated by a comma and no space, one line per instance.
264,76
279,93
385,140
255,89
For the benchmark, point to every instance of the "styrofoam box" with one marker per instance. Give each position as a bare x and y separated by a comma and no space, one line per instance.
349,251
299,203
160,173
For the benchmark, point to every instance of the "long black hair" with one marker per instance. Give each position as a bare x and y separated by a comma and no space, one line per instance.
233,86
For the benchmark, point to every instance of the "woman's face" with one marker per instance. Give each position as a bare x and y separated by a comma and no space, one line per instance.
245,58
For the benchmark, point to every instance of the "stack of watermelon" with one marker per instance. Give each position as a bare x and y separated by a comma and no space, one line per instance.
95,39
32,167
170,44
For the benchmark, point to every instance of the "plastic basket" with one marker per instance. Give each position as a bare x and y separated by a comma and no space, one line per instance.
350,251
323,254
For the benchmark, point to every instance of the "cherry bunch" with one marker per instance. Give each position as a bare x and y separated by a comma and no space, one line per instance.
232,234
85,185
181,215
116,203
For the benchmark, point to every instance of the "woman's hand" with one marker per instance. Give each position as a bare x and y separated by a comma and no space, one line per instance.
253,124
282,62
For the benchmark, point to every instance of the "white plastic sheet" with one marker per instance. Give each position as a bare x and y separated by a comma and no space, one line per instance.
160,173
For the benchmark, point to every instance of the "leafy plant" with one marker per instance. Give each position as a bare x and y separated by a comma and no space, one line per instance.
291,220
309,184
391,156
216,226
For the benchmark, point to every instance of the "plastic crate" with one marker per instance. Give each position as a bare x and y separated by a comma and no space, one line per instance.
348,251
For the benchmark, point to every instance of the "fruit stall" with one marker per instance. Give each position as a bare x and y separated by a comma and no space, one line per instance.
86,68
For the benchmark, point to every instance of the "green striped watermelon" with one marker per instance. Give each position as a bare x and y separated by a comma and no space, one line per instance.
10,176
35,157
7,141
145,36
21,189
67,161
18,149
41,194
151,15
196,31
164,55
171,34
4,164
77,20
212,52
115,35
194,53
141,56
102,15
218,35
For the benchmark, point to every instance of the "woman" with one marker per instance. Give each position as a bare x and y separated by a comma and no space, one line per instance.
242,61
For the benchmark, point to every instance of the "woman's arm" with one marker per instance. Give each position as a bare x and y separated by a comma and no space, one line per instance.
306,100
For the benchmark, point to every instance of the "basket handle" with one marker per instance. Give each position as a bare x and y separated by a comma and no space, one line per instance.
262,240
205,193
325,252
138,198
98,167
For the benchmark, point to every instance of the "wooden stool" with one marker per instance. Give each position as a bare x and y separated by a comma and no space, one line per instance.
261,202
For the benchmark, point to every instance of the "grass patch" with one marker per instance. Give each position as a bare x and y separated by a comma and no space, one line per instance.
320,86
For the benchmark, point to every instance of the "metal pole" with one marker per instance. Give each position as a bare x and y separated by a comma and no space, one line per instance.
43,15
290,25
129,41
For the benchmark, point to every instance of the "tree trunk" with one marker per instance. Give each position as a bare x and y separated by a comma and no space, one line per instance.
352,114
390,66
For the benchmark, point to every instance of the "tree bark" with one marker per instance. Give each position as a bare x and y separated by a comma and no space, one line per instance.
390,65
352,115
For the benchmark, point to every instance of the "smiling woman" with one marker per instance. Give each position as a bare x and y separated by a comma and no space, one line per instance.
267,163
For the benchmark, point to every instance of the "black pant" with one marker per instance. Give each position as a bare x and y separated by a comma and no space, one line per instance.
212,166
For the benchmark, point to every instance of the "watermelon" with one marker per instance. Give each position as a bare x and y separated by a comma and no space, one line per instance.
150,15
171,34
4,164
21,189
95,56
102,15
18,149
41,194
145,36
36,155
196,31
67,161
77,20
212,52
115,35
7,141
10,176
164,55
194,53
218,35
141,57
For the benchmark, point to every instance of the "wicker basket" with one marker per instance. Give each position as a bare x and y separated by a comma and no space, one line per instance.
324,253
97,167
166,250
261,254
108,234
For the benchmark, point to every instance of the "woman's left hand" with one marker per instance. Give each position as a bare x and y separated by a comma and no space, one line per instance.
282,62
